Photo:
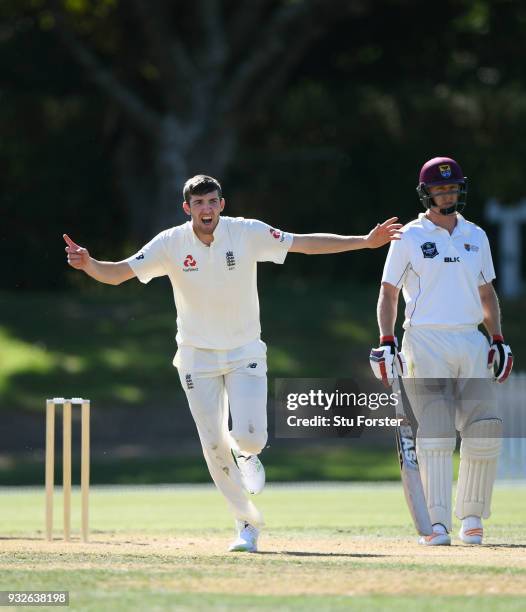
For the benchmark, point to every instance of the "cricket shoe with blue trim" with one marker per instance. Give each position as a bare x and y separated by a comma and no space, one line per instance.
252,472
439,537
247,538
471,531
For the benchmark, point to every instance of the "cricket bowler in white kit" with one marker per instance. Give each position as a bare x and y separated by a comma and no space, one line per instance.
443,265
212,264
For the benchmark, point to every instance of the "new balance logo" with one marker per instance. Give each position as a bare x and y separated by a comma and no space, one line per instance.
252,365
140,256
230,260
189,381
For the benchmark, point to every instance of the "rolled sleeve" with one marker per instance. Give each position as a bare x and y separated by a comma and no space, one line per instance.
150,261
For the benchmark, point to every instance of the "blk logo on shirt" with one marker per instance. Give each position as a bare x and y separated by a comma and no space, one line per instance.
452,259
190,264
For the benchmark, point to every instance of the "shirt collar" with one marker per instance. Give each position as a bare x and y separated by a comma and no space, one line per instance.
461,226
426,223
219,232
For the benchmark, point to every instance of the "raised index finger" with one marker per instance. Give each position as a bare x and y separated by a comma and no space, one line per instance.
70,242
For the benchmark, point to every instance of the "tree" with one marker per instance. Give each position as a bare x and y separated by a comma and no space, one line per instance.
185,79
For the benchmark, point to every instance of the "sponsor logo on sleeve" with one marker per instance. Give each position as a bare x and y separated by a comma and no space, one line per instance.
277,234
429,249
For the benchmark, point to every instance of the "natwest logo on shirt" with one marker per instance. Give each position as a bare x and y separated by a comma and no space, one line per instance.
190,264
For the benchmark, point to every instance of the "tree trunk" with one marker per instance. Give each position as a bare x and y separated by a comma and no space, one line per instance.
171,168
151,174
181,155
136,185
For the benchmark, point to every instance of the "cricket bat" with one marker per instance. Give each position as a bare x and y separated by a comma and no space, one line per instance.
411,481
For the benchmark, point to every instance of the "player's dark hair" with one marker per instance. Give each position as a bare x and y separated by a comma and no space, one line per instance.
199,185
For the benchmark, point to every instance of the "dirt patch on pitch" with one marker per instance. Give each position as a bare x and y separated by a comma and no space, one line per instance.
285,566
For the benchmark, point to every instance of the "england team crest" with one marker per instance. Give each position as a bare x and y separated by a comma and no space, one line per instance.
429,249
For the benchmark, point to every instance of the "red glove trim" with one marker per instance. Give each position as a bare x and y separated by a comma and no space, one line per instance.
497,338
507,371
491,357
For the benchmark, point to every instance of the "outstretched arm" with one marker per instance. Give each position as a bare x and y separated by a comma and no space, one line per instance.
111,273
321,244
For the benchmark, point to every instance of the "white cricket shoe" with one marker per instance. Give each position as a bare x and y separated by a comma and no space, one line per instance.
247,538
471,531
439,537
252,472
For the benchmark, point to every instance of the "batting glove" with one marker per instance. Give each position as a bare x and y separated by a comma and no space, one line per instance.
500,359
386,362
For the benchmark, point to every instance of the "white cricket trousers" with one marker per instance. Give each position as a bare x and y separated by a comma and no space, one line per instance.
442,363
449,354
242,387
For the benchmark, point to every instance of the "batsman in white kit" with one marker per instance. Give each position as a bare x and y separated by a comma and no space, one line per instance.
212,264
444,266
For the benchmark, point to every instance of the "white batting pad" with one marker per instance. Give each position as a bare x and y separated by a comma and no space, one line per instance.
435,456
479,452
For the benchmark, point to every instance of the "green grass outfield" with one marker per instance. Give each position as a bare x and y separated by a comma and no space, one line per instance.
325,547
115,345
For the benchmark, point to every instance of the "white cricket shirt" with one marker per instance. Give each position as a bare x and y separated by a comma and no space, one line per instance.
215,287
440,273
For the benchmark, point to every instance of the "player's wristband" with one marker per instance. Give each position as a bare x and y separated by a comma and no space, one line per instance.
498,338
388,341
